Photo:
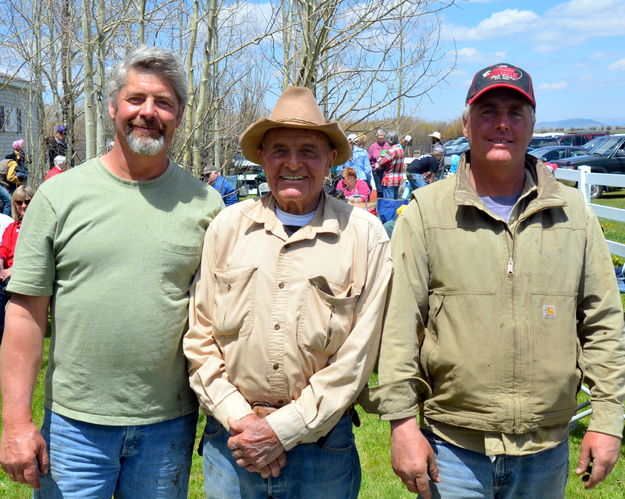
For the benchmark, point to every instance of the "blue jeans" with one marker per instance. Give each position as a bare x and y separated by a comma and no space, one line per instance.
389,192
466,475
325,469
98,461
5,198
417,181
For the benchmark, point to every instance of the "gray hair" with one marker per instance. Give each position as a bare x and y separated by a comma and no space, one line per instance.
392,137
150,59
467,110
380,132
60,160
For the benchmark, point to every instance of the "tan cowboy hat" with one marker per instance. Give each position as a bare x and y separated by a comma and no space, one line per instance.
296,108
436,135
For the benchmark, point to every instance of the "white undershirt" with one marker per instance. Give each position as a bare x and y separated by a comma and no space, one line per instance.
294,220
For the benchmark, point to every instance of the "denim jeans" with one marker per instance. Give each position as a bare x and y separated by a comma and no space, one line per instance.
326,469
389,192
98,461
417,181
5,198
466,475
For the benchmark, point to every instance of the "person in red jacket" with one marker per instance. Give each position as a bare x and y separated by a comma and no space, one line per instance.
60,165
19,203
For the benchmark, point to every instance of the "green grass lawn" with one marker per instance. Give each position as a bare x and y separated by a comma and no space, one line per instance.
373,437
378,480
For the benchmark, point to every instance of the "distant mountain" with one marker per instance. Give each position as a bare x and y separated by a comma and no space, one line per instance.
581,123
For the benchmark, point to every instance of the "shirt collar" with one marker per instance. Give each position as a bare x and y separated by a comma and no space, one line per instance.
540,186
325,219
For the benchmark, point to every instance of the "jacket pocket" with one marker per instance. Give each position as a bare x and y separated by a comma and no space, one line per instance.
235,299
178,266
327,316
554,352
457,353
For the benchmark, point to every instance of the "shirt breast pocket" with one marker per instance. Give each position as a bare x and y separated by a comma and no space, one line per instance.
178,266
327,316
235,298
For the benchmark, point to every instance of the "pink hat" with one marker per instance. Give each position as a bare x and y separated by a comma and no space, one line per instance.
18,144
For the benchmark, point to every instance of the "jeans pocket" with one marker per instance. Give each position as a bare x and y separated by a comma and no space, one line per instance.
213,428
341,438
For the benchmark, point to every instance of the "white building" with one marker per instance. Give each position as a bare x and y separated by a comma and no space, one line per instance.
19,118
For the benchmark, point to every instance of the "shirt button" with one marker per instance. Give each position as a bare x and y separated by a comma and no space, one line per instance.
281,285
228,287
276,367
276,327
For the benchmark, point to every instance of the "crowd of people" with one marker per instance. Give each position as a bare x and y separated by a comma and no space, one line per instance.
270,314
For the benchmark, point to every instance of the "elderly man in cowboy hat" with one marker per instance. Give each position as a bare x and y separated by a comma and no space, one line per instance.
285,318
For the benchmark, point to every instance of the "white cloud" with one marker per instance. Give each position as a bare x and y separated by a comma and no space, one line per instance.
474,56
577,20
502,23
569,23
466,52
561,85
617,66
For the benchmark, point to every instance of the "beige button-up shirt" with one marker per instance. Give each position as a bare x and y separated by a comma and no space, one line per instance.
291,321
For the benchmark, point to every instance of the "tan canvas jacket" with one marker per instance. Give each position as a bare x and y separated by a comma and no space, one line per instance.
493,325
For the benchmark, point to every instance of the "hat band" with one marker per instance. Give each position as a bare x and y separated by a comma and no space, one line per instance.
298,121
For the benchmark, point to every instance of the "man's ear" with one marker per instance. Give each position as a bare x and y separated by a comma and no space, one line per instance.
180,115
111,109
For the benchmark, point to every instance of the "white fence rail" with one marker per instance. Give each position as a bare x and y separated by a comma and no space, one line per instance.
585,179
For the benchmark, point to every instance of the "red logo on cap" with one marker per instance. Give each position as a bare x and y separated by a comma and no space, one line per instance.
502,73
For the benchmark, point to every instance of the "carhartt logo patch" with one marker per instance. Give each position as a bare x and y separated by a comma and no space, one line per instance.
549,312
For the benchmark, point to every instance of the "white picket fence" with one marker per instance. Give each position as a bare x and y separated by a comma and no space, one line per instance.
585,179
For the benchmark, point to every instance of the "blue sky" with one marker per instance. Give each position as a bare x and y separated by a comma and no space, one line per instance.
574,51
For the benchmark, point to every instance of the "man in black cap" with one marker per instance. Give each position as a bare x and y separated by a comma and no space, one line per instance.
503,301
56,145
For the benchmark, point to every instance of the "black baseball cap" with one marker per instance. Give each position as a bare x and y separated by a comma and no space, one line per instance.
501,75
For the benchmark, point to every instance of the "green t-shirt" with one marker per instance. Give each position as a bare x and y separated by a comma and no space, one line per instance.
117,257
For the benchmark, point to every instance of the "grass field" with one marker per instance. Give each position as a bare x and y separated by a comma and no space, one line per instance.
373,437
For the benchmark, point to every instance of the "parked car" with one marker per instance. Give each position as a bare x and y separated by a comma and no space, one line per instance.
551,153
591,145
247,173
578,139
541,141
607,156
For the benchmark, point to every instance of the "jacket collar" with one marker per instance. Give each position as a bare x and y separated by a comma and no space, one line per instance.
541,189
263,212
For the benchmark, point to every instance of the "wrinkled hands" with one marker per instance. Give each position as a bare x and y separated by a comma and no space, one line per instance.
255,446
412,457
601,451
23,453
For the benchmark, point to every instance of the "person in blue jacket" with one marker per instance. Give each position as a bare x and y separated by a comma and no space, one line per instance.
228,193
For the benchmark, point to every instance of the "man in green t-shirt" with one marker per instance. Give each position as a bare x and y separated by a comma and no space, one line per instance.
111,248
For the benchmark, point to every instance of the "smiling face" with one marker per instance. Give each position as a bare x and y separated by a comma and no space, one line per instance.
146,113
499,128
296,163
21,204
